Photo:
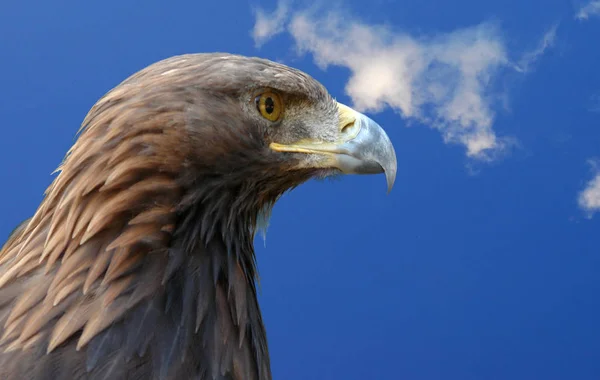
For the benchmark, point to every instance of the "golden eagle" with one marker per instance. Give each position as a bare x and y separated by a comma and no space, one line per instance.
139,262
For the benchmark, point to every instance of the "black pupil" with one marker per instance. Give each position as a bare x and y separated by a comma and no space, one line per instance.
269,105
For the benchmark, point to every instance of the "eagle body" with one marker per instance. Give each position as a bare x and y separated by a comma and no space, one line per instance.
139,262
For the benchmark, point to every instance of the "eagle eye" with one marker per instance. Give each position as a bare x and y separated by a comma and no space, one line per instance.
269,105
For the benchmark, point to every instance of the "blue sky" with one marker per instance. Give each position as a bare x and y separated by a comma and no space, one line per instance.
482,263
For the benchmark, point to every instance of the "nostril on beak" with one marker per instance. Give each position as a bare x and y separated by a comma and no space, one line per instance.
347,129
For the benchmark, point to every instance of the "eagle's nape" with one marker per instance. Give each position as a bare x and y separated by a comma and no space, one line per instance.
139,263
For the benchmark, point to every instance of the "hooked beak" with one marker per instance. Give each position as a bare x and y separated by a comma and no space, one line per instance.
363,147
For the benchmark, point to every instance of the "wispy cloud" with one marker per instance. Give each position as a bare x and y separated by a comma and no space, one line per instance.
589,198
441,81
447,81
529,58
594,103
588,10
268,24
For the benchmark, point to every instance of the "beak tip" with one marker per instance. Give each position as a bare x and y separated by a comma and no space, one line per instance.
389,163
390,185
390,178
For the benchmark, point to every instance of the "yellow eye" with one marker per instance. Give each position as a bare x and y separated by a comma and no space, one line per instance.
269,105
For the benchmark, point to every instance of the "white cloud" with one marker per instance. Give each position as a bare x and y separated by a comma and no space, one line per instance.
530,57
268,24
590,9
594,103
589,198
447,81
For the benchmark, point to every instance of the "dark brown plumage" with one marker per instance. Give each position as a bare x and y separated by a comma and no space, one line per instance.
139,263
